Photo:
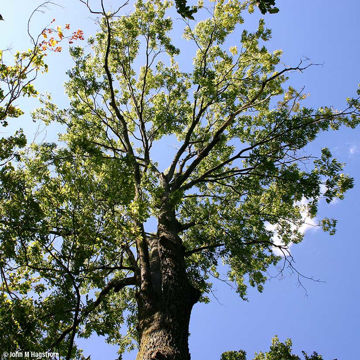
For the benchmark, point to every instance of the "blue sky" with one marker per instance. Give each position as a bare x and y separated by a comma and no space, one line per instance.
326,316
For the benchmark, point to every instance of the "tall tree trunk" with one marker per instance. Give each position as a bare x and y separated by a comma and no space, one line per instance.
164,315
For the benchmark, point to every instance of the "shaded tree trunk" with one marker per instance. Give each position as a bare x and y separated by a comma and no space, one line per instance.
164,312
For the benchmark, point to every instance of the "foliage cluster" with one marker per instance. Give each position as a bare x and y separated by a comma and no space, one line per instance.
278,351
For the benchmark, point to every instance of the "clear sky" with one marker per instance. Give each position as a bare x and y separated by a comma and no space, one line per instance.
326,316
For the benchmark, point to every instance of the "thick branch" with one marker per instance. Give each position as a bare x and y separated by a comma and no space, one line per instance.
217,136
118,114
196,117
200,249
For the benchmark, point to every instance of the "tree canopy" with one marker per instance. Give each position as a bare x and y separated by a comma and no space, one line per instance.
98,236
278,350
265,6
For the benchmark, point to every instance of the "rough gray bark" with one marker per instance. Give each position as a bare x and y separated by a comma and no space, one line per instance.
164,311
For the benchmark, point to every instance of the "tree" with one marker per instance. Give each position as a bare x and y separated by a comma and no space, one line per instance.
77,253
187,12
16,80
278,350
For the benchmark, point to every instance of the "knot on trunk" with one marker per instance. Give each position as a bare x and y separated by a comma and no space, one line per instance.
159,356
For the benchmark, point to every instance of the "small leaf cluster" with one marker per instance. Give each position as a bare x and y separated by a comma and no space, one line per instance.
278,351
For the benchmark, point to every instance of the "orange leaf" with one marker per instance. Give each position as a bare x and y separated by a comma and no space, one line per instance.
52,42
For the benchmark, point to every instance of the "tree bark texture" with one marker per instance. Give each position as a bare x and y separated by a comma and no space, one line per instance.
164,311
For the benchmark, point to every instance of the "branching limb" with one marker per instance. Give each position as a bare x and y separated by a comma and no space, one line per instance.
101,12
116,284
203,248
127,142
231,118
196,117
